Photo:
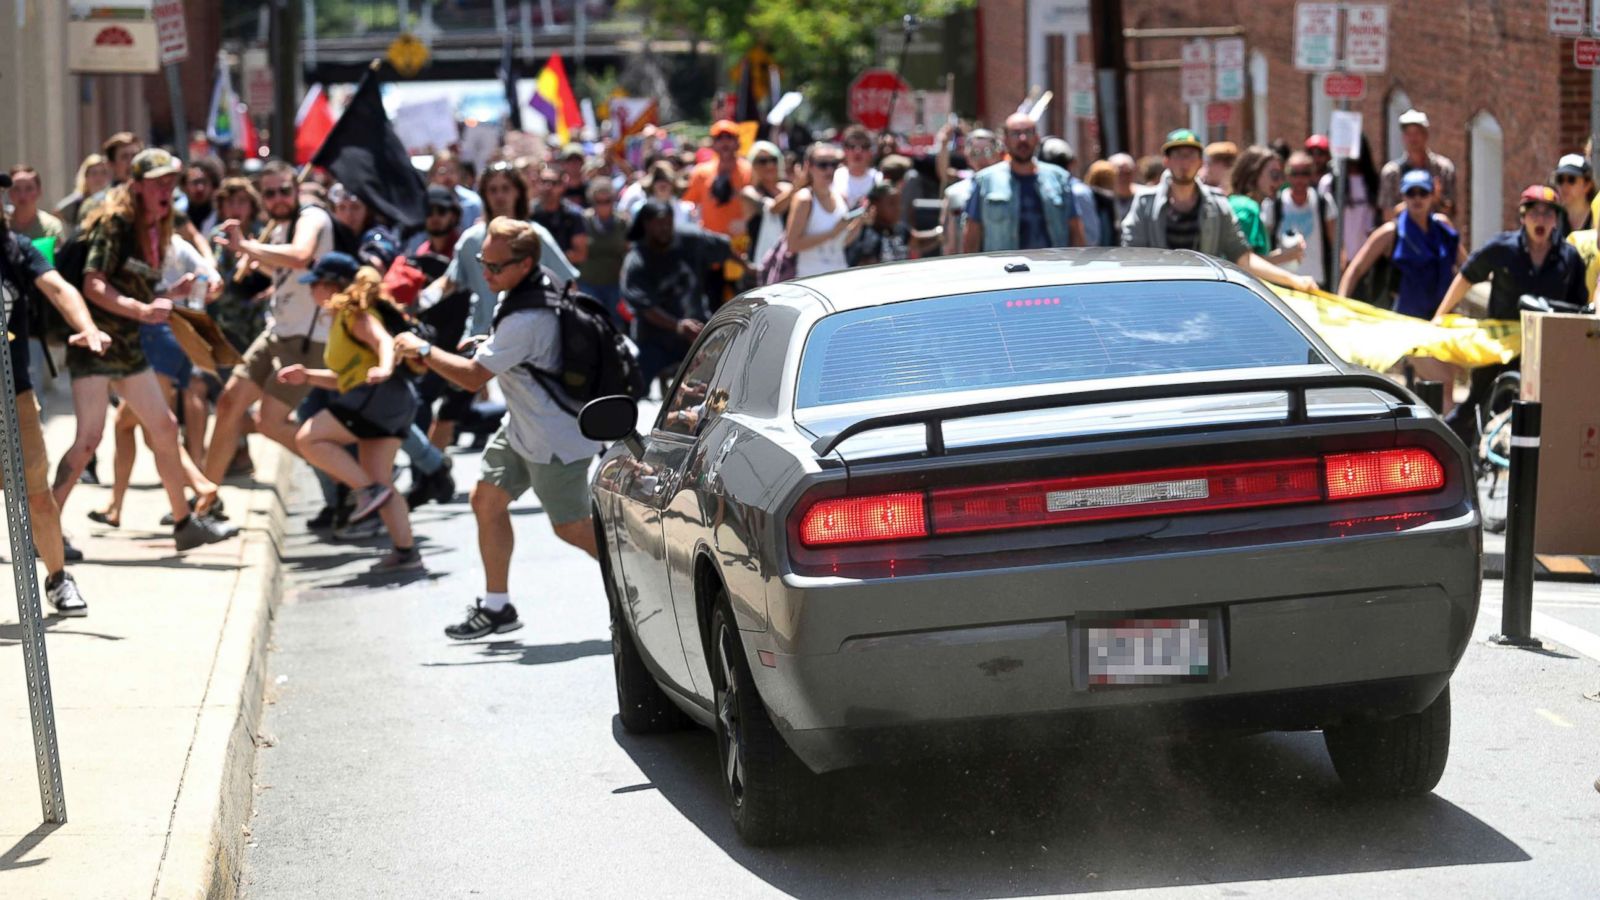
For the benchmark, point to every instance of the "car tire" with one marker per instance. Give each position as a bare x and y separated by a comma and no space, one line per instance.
1395,757
761,777
642,705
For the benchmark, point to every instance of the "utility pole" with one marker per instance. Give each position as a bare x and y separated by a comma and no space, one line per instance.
284,53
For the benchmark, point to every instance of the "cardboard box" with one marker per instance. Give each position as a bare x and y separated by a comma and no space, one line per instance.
1561,370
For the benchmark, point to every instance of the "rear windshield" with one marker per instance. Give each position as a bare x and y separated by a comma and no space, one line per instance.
1021,337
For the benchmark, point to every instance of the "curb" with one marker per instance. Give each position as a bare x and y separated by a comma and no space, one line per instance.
206,834
1546,567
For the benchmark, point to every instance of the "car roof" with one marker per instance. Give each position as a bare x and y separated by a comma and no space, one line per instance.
944,276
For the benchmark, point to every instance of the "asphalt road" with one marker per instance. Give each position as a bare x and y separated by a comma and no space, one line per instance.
401,764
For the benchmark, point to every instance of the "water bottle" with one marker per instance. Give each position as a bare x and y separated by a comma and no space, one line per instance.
197,292
1292,240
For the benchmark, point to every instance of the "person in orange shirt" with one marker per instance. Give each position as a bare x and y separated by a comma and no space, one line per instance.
715,187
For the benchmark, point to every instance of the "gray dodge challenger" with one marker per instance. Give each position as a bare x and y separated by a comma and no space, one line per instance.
939,506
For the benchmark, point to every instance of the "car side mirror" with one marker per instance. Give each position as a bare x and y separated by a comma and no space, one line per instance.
612,418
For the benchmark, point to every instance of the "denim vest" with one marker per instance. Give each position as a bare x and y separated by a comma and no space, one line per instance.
998,213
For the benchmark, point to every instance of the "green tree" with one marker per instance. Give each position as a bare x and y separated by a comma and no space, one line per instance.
820,44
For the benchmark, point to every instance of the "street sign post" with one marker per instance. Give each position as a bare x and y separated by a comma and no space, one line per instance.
1196,72
1080,90
1586,53
1316,36
1567,16
172,40
1344,86
1229,56
870,96
1366,37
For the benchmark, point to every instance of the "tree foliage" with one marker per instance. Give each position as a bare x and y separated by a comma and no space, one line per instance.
820,44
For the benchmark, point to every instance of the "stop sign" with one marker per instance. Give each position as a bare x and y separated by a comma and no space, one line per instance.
870,96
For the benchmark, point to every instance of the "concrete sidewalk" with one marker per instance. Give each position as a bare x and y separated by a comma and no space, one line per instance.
157,694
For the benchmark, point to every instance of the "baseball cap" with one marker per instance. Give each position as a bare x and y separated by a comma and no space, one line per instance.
379,247
439,195
1317,142
1414,117
1539,193
652,209
335,266
1416,178
1182,137
1222,150
1573,164
724,126
154,163
573,150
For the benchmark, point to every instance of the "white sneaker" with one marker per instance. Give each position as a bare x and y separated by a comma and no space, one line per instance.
64,596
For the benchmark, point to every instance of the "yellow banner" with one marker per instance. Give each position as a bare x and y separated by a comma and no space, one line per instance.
1378,338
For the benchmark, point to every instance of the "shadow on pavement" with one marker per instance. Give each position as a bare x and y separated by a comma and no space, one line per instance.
11,635
12,858
530,654
1094,818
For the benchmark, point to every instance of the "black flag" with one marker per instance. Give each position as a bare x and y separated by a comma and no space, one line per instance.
363,153
508,77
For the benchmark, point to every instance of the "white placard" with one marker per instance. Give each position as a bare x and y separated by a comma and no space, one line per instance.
1366,37
1568,16
1344,134
426,124
1229,56
113,46
1316,36
1196,72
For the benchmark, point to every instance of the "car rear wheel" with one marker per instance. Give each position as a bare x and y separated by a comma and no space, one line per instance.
761,777
641,704
1393,758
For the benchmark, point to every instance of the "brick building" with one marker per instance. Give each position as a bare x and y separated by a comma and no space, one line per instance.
1502,93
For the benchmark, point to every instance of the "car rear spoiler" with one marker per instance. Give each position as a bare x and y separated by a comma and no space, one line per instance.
1296,386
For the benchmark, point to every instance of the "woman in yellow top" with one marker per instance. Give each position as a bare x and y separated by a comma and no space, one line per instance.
372,408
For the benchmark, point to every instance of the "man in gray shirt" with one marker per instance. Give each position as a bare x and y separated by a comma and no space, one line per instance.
538,446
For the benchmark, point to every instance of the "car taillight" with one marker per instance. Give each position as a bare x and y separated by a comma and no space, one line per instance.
859,520
1122,495
1126,495
1404,471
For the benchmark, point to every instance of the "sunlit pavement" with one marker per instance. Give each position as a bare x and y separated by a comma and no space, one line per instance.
401,764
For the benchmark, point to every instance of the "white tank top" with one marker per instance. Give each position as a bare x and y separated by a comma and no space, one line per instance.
828,256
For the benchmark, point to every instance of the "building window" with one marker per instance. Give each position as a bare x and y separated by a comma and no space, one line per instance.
1258,96
1487,162
1399,102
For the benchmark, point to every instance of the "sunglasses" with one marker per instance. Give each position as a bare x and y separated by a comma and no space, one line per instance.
278,192
857,146
495,268
1419,192
766,161
1022,132
1567,179
1300,173
825,164
440,210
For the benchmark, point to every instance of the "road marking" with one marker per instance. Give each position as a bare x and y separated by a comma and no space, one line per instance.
1553,718
1585,642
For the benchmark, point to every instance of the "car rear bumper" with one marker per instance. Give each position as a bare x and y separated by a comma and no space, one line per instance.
1312,633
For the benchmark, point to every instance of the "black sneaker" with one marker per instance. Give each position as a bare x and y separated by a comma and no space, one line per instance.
62,592
443,482
196,531
397,560
481,622
323,519
69,552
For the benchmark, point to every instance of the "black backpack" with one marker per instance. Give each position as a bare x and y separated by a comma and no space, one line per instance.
596,360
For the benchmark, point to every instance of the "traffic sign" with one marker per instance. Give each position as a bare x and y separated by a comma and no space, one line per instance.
1344,86
1316,36
870,96
408,54
1080,90
1586,53
172,33
1196,72
1229,55
1567,16
1366,37
1219,114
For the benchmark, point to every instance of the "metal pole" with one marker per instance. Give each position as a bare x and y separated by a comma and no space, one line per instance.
1342,178
1594,115
908,26
284,54
308,16
180,121
36,667
1516,613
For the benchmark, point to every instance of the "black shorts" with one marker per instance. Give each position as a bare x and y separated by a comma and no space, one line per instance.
377,410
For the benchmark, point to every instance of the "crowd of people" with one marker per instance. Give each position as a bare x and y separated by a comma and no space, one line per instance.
354,339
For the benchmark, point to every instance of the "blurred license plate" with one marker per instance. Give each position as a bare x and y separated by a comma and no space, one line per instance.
1148,651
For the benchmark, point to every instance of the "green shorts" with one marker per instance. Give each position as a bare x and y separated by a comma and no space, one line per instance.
562,488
